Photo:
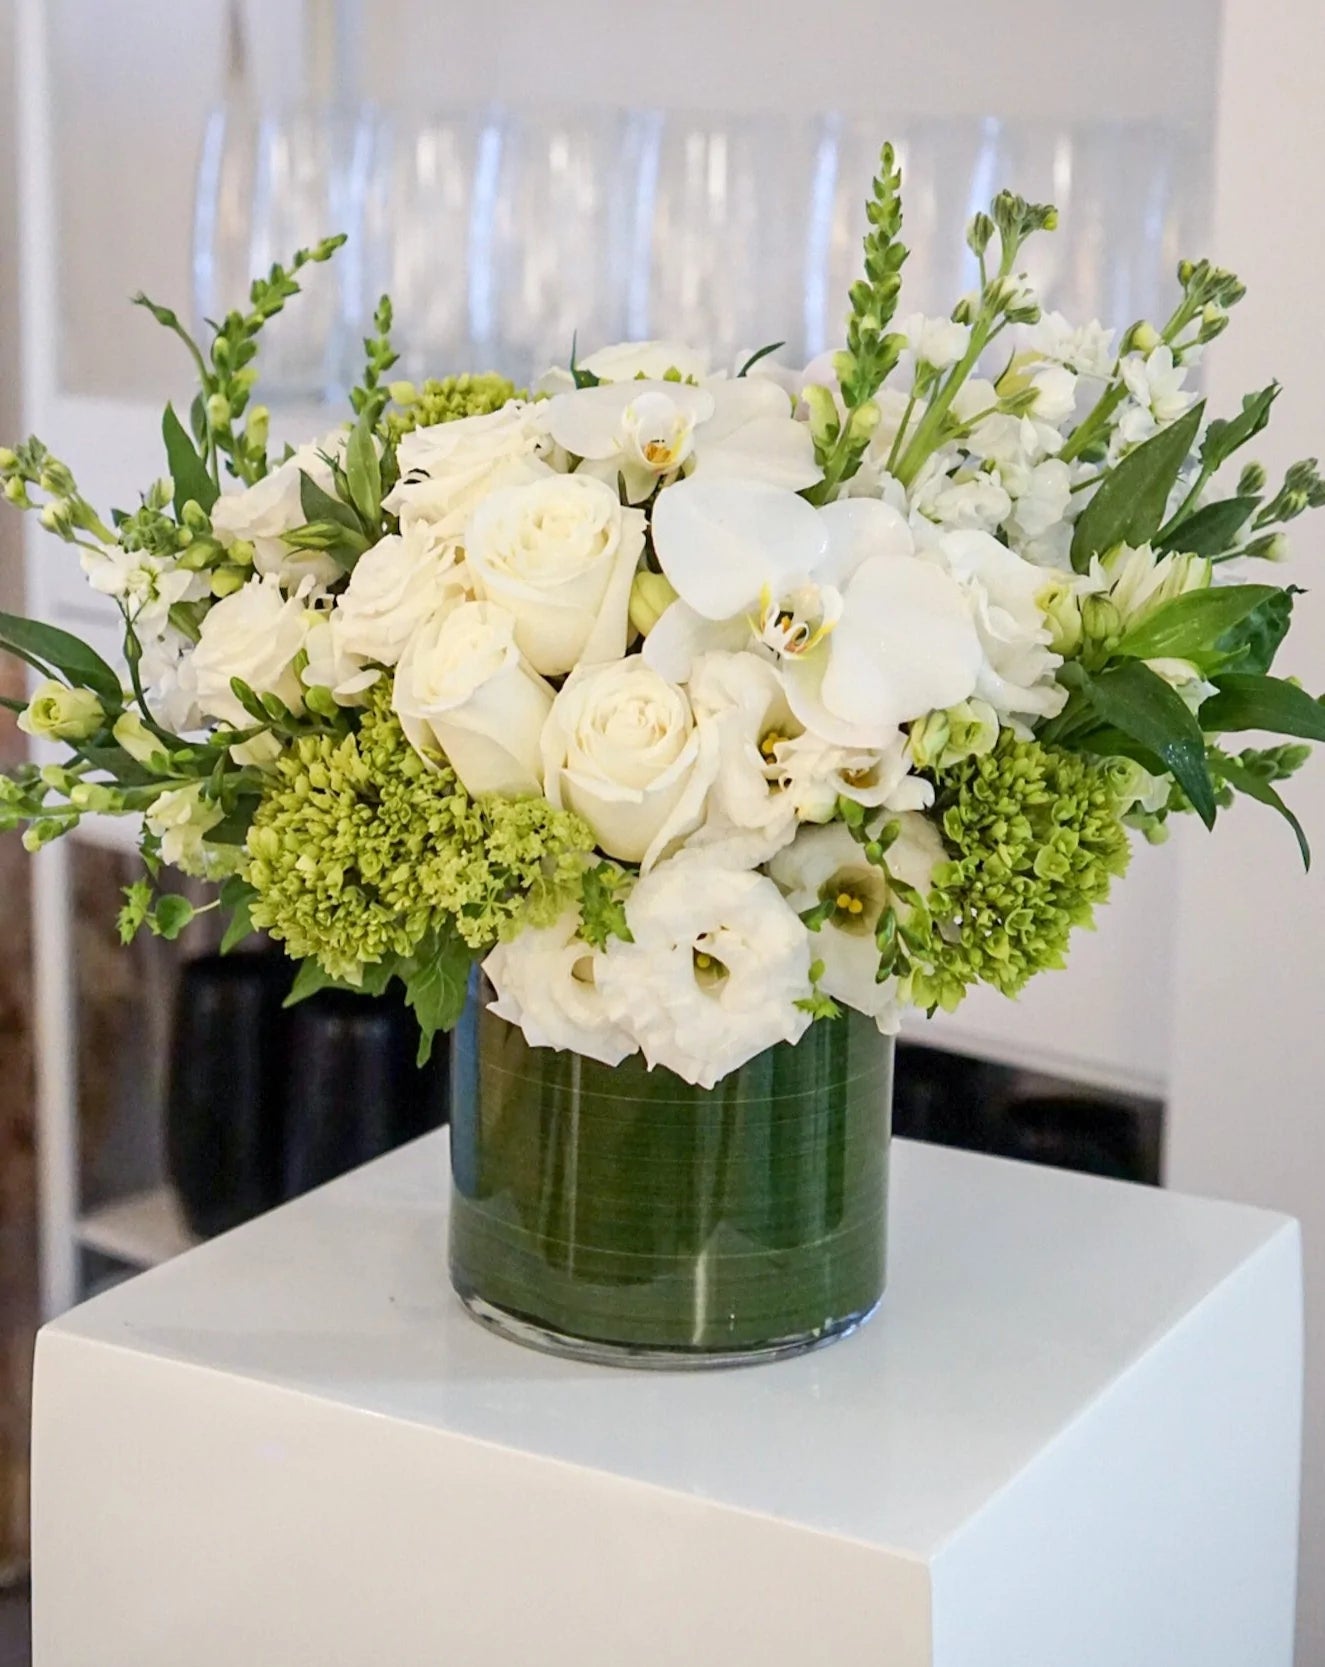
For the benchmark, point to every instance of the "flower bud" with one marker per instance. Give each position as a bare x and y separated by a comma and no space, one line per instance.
1142,338
650,597
1101,623
56,516
137,739
42,833
822,408
91,796
968,730
863,422
194,517
218,411
241,553
1062,612
55,776
8,458
258,422
16,492
1269,547
929,740
57,713
227,580
1251,482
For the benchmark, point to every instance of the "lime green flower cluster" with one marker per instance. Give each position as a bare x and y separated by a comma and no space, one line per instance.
1035,838
359,849
445,402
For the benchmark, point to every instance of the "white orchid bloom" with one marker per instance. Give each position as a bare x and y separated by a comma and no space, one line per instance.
645,432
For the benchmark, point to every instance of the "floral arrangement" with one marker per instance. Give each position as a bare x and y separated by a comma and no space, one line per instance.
694,706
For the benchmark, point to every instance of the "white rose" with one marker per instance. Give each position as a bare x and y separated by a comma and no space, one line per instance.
559,554
827,865
254,634
463,685
445,470
622,750
397,586
264,512
715,970
546,984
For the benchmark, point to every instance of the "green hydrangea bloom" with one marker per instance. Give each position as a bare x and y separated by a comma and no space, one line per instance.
359,849
1035,840
445,402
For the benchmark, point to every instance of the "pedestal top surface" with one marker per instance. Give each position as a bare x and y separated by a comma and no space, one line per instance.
1016,1296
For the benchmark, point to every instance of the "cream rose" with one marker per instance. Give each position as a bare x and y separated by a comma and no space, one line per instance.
254,634
396,587
463,686
621,749
559,554
445,470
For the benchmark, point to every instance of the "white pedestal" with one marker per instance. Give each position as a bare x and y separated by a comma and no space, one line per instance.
1069,1439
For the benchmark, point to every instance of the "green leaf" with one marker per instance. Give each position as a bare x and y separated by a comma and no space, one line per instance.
250,701
82,665
761,353
1255,642
172,914
188,472
1187,624
319,506
137,906
310,978
1129,504
364,473
1256,787
1224,437
1112,743
1135,700
1246,701
436,985
233,829
1212,530
237,896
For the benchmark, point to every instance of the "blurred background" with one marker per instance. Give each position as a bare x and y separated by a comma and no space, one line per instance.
514,177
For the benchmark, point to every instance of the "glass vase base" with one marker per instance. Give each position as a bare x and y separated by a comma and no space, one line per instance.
516,1328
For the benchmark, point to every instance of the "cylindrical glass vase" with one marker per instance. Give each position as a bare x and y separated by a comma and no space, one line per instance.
621,1215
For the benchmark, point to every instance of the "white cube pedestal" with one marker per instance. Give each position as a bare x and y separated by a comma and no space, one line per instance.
1069,1439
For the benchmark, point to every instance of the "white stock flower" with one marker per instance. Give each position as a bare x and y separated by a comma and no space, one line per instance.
645,432
332,666
264,512
937,342
399,585
546,984
1017,676
1086,349
1158,397
972,499
1040,501
826,865
868,635
446,469
559,554
814,774
463,686
1055,393
148,586
622,750
741,698
713,975
254,634
181,819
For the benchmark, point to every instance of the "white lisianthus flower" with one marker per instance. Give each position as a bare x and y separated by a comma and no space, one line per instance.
263,513
622,750
148,586
405,580
1017,676
1138,581
1086,349
715,970
827,865
254,634
741,698
448,468
332,666
181,819
559,554
1158,397
936,342
645,432
814,774
463,686
546,983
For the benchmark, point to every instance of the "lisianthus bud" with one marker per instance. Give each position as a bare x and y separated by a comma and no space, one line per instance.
967,730
1062,612
227,580
1269,547
1252,480
57,713
651,595
137,740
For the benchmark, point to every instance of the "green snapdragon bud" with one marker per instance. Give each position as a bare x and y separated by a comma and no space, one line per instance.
57,517
17,493
1142,338
218,411
258,423
822,407
57,713
194,517
8,458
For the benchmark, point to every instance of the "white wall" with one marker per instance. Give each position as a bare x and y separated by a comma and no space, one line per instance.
1247,1113
11,565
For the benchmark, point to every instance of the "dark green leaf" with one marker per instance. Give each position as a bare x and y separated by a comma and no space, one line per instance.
1135,700
1187,624
308,981
754,358
188,472
1256,787
1129,504
171,915
237,896
249,700
318,505
1224,437
233,830
1212,530
117,764
1255,642
198,421
1246,701
82,665
436,984
1112,743
364,473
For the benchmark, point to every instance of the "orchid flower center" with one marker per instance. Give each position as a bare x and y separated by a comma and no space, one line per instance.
656,433
799,621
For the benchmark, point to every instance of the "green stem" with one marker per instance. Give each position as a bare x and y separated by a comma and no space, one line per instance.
924,440
896,446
